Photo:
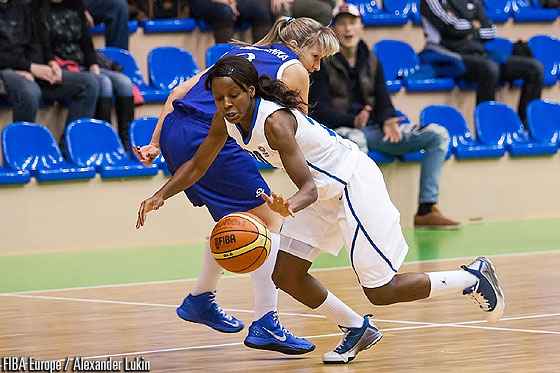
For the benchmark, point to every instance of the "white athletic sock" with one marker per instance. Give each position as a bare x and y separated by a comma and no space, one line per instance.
264,290
210,273
338,312
446,282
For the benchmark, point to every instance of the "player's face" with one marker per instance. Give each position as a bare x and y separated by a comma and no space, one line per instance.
310,58
349,30
232,100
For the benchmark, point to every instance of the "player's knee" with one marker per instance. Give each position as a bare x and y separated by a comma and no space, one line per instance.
382,295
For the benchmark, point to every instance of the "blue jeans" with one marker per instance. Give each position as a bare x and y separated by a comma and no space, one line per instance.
113,82
114,13
25,95
434,139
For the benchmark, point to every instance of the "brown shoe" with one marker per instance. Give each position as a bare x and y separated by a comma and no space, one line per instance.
435,220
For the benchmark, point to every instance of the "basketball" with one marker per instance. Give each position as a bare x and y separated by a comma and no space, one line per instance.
240,242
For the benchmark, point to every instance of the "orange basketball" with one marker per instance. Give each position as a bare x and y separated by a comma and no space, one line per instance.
240,242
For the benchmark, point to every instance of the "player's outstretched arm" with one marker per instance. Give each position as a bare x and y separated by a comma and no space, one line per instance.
147,153
191,171
280,129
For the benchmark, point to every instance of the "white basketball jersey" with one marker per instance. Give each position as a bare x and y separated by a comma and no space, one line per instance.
331,159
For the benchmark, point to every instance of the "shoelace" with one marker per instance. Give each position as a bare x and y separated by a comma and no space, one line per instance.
275,317
219,309
479,299
343,340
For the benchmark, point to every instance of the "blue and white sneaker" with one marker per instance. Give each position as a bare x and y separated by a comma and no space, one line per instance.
486,293
203,309
268,334
354,341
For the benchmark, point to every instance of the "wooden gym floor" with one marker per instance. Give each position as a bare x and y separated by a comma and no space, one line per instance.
444,334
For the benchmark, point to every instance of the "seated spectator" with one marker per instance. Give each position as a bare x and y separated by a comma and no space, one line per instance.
65,35
319,10
224,14
114,13
463,27
349,91
28,75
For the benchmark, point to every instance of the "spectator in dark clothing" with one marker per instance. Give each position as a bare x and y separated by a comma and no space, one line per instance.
351,96
463,27
28,75
65,35
114,13
224,14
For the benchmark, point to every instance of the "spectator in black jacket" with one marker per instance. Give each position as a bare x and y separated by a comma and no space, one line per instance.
65,34
28,76
463,27
351,96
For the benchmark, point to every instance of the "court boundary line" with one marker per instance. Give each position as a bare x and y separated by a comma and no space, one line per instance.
423,325
441,260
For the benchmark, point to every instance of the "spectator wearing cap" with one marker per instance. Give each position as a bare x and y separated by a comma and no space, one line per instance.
351,97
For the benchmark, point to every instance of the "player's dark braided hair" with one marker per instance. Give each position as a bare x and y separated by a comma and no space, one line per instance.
244,74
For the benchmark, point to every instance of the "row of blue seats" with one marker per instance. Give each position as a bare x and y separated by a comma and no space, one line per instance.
29,149
389,13
498,129
403,68
170,66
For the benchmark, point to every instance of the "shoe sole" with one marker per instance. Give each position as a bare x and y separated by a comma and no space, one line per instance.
498,311
378,336
279,348
182,315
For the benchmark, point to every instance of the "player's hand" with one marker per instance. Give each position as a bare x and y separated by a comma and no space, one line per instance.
94,69
152,203
147,153
278,204
391,129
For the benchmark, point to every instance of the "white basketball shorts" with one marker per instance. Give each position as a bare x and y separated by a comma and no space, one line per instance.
362,218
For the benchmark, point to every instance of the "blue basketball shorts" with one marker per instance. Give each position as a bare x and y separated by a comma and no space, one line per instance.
232,183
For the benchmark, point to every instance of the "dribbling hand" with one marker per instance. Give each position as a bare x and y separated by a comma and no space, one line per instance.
278,204
147,153
152,203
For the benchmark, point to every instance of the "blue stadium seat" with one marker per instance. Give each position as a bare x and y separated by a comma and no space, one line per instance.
31,147
100,28
93,142
9,176
524,11
543,119
372,15
141,130
168,25
399,61
381,157
131,69
169,67
216,51
497,123
498,10
462,143
546,49
403,8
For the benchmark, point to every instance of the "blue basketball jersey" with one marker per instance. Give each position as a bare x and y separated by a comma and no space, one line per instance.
271,61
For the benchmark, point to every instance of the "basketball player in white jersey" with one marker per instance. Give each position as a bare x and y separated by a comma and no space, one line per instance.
341,199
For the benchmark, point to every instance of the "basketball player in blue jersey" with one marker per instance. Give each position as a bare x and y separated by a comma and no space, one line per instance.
341,200
292,49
